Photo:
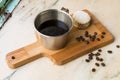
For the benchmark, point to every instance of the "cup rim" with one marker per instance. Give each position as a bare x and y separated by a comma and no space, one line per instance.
58,11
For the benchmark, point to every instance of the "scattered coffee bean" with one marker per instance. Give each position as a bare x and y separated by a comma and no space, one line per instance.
102,36
109,51
99,50
98,39
103,33
94,36
118,46
91,54
65,9
92,39
101,59
93,70
80,38
83,39
90,57
95,33
103,64
97,64
13,57
90,36
86,34
97,54
87,42
97,58
87,60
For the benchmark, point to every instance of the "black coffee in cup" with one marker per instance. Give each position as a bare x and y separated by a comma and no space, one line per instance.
53,28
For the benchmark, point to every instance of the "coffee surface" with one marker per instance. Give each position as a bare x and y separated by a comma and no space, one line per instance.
53,28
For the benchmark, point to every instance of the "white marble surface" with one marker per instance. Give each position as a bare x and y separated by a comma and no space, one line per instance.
19,31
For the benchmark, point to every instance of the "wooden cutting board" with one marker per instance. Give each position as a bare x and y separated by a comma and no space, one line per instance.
72,50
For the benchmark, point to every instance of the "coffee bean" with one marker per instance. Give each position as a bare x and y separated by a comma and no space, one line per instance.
109,51
102,36
97,64
65,9
87,42
92,39
93,70
90,36
97,54
86,34
99,50
80,38
118,46
83,39
94,36
13,57
103,33
98,39
101,59
87,60
95,33
90,57
103,64
91,54
97,58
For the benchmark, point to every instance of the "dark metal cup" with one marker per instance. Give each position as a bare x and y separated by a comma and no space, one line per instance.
53,42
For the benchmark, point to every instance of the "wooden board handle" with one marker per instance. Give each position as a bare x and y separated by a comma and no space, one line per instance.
24,55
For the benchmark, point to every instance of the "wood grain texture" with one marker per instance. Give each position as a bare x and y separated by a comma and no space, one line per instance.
72,50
